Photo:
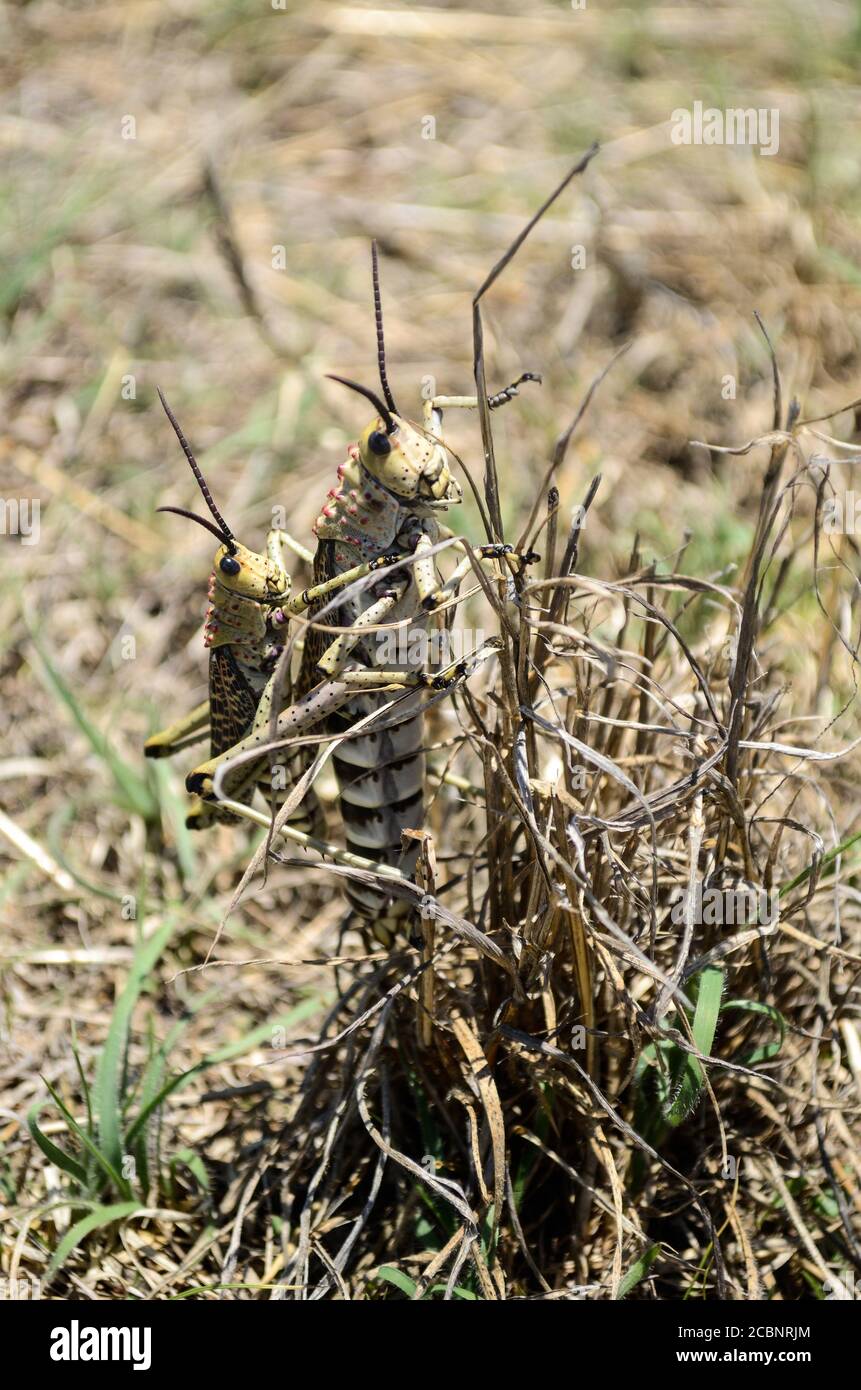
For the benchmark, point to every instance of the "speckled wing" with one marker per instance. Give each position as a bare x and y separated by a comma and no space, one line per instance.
232,702
316,639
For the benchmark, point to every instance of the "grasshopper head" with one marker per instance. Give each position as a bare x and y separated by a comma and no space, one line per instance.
408,463
245,574
241,572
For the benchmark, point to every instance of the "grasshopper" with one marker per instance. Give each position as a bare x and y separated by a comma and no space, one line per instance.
391,490
250,605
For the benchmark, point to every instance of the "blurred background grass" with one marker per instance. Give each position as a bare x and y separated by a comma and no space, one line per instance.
312,119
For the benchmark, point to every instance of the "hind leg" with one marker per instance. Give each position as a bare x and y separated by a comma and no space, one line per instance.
182,734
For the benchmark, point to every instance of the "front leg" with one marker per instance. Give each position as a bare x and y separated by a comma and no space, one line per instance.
433,408
424,569
337,654
497,550
278,542
295,606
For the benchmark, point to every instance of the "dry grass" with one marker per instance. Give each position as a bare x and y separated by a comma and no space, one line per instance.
633,735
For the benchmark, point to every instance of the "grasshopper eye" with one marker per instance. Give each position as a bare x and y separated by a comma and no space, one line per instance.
379,443
228,565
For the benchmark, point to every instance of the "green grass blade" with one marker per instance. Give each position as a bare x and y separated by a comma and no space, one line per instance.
689,1076
86,1093
222,1054
195,1165
175,810
132,789
825,864
111,1171
639,1269
57,837
15,878
152,1077
401,1281
100,1216
392,1275
54,1155
85,1086
767,1050
263,1033
112,1060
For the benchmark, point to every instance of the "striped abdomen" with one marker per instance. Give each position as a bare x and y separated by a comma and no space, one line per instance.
380,774
381,784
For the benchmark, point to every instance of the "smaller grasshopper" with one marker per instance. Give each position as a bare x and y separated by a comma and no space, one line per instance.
250,605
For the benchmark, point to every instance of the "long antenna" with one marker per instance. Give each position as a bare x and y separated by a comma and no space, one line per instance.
186,449
369,396
378,319
202,521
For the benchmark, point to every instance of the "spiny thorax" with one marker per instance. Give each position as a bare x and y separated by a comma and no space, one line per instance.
240,623
360,514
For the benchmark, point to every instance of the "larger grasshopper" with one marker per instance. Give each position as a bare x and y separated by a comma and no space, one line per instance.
391,489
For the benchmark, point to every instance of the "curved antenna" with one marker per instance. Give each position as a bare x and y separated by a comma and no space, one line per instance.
378,319
202,521
369,396
226,532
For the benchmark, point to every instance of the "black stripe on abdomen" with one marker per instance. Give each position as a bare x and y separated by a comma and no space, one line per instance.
381,784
